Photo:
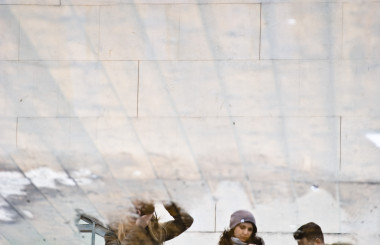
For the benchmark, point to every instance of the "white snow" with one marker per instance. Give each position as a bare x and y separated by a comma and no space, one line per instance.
12,183
46,177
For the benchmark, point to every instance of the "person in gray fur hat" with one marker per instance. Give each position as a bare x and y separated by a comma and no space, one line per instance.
242,230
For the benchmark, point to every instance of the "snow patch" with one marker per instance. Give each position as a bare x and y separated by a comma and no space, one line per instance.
46,177
83,176
28,214
4,214
12,183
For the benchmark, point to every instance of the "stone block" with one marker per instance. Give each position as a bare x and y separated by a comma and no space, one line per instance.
361,37
230,196
274,146
43,134
273,215
8,139
347,88
9,26
155,190
359,201
318,202
301,31
319,88
196,198
59,33
168,148
219,31
360,147
257,88
179,89
226,88
98,88
139,32
10,94
68,89
357,89
214,146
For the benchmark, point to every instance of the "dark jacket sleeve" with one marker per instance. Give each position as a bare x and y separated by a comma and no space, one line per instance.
182,221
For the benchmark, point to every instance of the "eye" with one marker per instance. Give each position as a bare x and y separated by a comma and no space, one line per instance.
250,229
242,227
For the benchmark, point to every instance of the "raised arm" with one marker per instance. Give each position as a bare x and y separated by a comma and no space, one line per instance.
182,221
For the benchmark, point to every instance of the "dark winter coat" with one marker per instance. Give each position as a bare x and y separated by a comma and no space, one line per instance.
156,233
225,239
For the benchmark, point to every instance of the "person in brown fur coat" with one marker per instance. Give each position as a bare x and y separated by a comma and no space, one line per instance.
242,230
145,229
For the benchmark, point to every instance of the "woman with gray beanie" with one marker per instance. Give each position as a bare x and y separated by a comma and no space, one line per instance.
242,230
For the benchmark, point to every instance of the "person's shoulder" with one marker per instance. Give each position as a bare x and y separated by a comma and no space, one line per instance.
256,241
260,241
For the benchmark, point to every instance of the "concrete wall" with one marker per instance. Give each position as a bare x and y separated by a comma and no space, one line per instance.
272,106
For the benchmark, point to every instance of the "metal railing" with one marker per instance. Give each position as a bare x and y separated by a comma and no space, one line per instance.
92,225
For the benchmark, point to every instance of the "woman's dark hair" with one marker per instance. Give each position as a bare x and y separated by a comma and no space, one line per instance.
227,234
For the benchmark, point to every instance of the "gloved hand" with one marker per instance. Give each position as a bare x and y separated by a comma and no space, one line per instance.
172,208
144,208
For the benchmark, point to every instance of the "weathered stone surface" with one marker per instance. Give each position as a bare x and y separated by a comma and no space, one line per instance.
219,105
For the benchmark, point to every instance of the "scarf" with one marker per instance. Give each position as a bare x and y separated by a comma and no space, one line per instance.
236,241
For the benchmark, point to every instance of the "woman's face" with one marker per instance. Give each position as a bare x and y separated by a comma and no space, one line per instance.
243,231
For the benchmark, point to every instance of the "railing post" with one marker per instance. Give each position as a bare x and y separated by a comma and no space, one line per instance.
93,234
92,225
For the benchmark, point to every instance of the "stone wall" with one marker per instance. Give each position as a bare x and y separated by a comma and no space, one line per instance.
272,106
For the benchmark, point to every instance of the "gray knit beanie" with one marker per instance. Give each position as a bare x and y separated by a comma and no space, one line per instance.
242,216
